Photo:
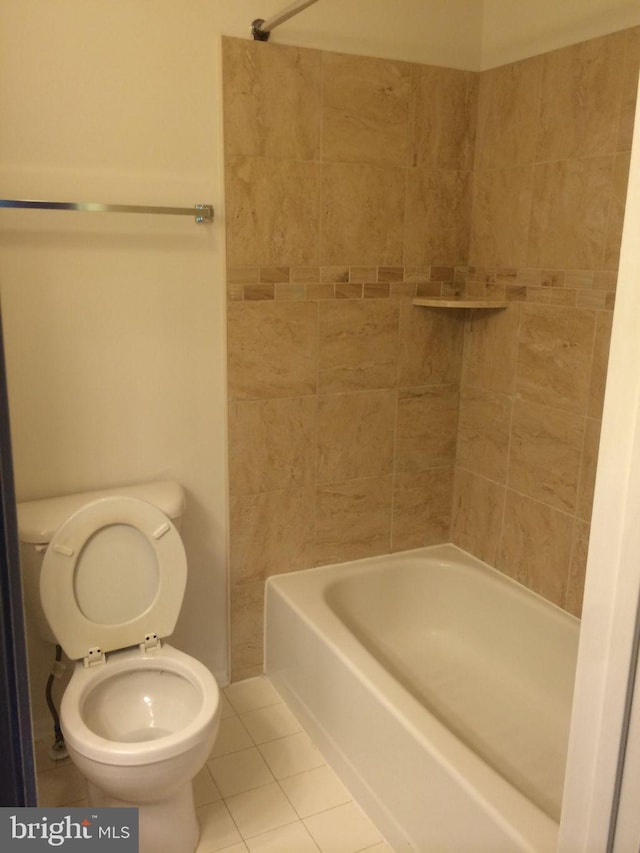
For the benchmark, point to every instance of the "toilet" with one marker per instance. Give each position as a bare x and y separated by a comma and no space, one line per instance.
104,576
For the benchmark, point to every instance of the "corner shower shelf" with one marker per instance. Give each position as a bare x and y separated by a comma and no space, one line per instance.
460,302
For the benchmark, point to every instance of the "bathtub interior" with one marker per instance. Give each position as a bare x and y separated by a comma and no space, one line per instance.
466,642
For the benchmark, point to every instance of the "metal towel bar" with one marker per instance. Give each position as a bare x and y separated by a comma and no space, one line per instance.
201,212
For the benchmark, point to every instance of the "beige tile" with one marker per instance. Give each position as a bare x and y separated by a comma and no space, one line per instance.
343,829
258,120
591,299
60,786
483,433
588,469
260,810
438,217
258,292
362,217
232,737
273,211
315,791
251,694
274,721
353,519
271,532
41,754
599,364
42,747
227,708
502,204
616,212
554,356
491,348
422,508
349,290
365,109
376,291
430,350
290,755
581,99
247,661
246,636
364,274
629,88
304,275
217,829
205,790
577,569
290,291
271,444
240,771
292,838
272,349
391,274
243,275
536,546
569,213
358,344
355,435
508,114
426,427
444,117
606,280
545,454
336,273
274,275
478,507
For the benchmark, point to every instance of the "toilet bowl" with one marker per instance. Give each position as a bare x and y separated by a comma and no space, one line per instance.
139,717
139,729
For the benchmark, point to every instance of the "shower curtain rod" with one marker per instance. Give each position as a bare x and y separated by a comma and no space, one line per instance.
261,29
201,212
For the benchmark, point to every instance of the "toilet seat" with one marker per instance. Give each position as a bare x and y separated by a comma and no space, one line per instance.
113,576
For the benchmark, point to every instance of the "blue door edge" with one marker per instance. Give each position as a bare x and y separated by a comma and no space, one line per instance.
17,780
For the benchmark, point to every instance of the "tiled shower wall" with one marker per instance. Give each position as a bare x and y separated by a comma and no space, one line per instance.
551,167
350,189
348,186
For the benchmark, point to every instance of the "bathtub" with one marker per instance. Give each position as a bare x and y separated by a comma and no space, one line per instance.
439,689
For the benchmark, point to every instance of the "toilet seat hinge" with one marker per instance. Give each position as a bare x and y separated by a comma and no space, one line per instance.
151,641
95,657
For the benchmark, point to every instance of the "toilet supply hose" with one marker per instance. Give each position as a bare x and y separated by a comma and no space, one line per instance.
58,751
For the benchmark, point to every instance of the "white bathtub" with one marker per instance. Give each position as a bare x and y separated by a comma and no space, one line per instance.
438,688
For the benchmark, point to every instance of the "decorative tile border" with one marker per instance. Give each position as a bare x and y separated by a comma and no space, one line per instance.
574,288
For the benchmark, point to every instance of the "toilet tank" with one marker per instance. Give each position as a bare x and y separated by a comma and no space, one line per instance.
39,520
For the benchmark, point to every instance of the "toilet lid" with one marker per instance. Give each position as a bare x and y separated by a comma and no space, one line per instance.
114,573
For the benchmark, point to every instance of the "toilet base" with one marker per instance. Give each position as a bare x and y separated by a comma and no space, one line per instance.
168,826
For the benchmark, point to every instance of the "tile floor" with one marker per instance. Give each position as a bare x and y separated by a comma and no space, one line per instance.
264,789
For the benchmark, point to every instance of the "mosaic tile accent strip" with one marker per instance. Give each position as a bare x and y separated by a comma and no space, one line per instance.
571,288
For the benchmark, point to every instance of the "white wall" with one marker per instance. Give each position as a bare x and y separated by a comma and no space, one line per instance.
515,29
114,325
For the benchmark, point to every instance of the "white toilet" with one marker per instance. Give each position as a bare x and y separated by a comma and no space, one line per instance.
104,576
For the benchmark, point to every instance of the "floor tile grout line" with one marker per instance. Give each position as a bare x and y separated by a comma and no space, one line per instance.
299,818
